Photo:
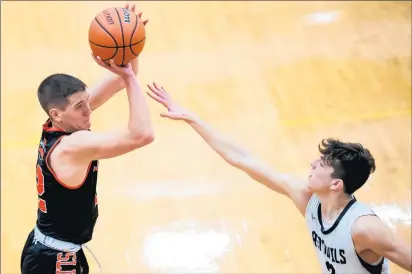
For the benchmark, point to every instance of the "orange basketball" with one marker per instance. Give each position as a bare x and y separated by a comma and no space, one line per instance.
118,34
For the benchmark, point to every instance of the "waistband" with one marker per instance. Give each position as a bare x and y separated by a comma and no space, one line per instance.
55,243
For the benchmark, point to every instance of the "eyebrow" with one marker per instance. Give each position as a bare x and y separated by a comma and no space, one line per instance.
78,103
81,101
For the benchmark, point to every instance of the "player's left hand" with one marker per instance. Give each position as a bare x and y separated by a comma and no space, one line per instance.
133,8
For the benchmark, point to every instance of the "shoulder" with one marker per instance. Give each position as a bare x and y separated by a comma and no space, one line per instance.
312,202
366,229
71,144
73,139
363,224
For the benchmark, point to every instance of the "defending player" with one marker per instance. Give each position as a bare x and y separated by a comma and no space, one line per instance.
67,164
347,235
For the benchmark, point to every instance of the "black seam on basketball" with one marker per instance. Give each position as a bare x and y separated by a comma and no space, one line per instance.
121,27
123,47
131,36
103,28
136,44
108,47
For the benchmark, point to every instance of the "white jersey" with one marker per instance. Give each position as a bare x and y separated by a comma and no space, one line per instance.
334,247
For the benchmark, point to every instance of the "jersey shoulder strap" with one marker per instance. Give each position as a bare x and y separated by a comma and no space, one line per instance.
312,205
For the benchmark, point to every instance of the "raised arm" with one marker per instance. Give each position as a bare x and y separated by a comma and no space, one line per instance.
85,146
110,83
234,154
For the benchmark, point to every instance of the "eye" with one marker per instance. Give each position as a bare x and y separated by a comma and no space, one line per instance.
79,106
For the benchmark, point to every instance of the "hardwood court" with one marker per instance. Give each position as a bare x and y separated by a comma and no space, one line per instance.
276,76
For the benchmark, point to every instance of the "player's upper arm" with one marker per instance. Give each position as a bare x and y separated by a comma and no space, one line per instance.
370,233
282,183
88,146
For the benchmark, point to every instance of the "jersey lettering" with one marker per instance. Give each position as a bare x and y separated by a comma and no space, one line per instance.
337,256
69,259
40,188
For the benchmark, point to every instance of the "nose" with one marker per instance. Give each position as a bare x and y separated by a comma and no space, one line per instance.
88,110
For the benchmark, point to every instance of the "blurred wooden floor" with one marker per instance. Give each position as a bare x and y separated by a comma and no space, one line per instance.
277,76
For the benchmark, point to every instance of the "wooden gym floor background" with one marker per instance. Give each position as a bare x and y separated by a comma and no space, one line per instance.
276,76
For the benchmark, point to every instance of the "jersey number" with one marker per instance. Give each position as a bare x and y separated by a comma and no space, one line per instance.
40,188
330,267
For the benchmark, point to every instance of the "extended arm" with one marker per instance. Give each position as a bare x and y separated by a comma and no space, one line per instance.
235,154
85,146
370,233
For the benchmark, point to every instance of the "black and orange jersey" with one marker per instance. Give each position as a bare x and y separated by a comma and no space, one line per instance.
64,213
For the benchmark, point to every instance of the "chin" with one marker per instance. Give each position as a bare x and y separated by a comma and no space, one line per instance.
88,125
311,186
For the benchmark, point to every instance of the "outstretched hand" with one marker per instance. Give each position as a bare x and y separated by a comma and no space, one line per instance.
175,112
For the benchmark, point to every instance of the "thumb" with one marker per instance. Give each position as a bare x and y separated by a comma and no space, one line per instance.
171,115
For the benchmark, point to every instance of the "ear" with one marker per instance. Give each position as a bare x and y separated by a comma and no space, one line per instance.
337,184
55,114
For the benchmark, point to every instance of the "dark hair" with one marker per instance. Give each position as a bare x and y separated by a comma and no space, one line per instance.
351,162
54,90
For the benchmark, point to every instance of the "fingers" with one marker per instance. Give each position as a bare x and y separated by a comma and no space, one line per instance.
130,7
156,91
155,85
99,61
109,65
172,115
159,92
158,99
140,18
113,66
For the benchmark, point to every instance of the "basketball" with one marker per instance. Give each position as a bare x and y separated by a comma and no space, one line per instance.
118,34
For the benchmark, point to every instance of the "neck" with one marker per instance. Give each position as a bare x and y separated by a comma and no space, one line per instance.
56,124
333,204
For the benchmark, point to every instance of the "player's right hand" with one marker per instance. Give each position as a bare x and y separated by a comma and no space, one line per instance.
175,112
124,72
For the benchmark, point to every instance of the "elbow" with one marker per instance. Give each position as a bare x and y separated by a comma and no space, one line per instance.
142,139
148,138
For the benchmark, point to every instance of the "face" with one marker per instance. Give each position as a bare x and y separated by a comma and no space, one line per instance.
320,178
76,116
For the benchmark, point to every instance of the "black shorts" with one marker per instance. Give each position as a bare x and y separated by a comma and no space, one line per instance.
37,258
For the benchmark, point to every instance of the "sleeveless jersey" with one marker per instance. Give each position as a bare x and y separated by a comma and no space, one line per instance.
334,246
64,213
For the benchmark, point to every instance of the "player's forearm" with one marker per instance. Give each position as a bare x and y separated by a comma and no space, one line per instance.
108,87
104,90
139,115
225,147
135,68
402,256
240,158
